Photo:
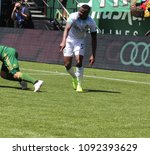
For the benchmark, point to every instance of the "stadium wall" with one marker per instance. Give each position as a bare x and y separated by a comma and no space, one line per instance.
114,52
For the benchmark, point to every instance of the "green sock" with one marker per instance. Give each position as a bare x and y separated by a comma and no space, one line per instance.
28,78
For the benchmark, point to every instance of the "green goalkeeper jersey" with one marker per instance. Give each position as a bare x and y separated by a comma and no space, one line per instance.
9,57
1,52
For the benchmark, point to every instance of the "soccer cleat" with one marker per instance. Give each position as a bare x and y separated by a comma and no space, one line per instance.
74,83
79,88
38,85
23,85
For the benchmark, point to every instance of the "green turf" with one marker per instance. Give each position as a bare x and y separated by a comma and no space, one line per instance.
109,108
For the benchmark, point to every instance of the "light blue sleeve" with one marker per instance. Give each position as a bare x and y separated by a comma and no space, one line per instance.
92,25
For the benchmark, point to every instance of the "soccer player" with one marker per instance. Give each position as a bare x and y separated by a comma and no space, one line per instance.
10,69
73,43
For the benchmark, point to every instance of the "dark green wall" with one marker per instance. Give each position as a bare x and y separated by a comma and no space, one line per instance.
71,6
111,23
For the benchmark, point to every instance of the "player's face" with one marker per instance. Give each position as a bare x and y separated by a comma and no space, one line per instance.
83,13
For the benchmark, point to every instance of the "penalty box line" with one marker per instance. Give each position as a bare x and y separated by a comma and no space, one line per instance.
88,76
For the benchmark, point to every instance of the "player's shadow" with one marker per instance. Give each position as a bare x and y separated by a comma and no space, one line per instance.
13,87
101,91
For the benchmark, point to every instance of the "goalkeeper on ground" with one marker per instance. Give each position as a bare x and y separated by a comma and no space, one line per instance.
10,69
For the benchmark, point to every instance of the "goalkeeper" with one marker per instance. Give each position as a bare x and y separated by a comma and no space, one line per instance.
10,69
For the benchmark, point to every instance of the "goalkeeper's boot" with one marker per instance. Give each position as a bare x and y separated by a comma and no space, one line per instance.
79,88
23,85
74,83
38,85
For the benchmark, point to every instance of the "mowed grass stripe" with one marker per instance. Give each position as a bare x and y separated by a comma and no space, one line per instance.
108,109
89,76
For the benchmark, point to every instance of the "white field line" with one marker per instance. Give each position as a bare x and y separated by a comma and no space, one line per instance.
89,76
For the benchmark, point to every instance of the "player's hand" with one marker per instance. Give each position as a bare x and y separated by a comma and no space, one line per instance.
62,46
91,60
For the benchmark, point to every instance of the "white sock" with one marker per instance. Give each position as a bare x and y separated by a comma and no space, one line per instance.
79,74
71,72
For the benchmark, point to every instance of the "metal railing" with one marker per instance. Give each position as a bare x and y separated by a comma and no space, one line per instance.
56,13
53,8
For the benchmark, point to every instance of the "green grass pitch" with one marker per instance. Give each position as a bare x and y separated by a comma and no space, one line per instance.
115,105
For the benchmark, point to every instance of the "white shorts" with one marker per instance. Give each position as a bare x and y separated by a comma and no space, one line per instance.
74,47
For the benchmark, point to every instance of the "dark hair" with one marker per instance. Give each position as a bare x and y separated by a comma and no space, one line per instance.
86,7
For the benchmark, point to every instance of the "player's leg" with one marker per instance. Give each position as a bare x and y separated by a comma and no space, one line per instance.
68,56
79,72
68,66
11,63
6,75
70,70
9,76
22,78
79,53
25,77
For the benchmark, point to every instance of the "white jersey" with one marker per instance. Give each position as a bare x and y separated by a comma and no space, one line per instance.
80,27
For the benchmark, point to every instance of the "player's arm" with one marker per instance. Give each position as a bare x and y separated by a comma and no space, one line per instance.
65,34
94,46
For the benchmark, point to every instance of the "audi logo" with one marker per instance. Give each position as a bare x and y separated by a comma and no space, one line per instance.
137,54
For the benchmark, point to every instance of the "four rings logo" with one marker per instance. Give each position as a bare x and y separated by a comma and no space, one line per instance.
137,54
